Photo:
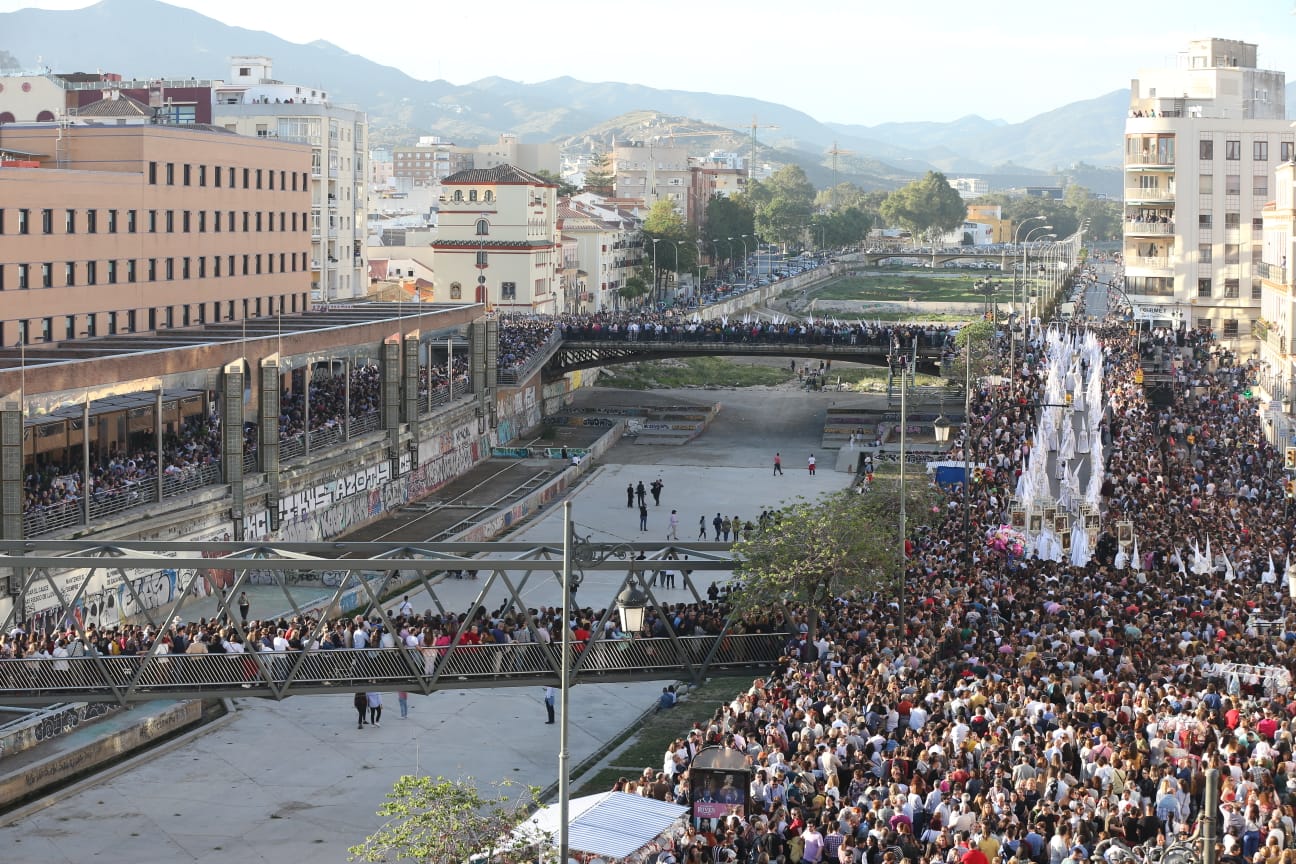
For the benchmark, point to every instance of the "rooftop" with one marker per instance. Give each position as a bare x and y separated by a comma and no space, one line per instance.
499,175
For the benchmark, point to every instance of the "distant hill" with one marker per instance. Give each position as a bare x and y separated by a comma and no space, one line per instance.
148,38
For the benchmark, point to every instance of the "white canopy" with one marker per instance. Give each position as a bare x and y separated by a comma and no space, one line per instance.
610,824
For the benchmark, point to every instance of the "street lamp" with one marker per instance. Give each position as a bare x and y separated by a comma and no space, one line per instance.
654,240
631,603
1026,262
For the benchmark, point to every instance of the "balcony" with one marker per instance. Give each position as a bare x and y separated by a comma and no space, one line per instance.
1148,229
1272,272
1152,194
1149,160
1155,262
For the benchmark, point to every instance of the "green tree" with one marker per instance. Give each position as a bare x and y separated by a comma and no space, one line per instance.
927,205
599,178
675,250
448,822
565,189
1104,214
841,545
841,227
635,287
975,341
783,205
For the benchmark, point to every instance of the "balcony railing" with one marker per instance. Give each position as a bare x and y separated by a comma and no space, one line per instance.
1149,159
1272,272
1148,261
1154,193
1149,228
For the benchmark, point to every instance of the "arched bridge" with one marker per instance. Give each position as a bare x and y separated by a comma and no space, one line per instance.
572,354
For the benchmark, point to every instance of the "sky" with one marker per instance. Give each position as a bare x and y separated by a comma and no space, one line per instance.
846,61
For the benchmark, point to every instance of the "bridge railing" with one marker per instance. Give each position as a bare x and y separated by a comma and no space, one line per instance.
512,376
126,679
767,340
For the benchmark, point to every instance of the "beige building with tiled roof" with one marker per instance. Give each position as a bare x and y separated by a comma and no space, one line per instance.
498,240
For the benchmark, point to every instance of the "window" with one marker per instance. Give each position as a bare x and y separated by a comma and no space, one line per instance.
258,221
472,194
24,221
69,221
481,259
1232,184
92,221
508,290
1232,257
1230,328
458,195
1257,290
1260,186
69,273
202,221
1257,225
47,221
130,270
152,222
170,268
1204,221
216,221
230,223
216,266
1204,253
170,221
131,221
483,228
246,221
152,174
1286,149
92,273
152,269
22,277
247,173
258,176
1203,287
112,221
1232,221
170,173
47,275
1260,151
1206,184
489,195
1232,150
202,175
184,267
112,323
184,221
216,175
187,174
1205,150
112,272
246,264
69,327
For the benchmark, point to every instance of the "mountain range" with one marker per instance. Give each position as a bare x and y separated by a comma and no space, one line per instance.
151,39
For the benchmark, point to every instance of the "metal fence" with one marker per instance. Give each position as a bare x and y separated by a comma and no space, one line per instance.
123,679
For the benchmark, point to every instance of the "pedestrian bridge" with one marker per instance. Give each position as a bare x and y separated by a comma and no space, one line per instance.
277,675
573,354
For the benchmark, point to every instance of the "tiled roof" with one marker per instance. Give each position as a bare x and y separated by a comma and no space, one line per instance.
122,106
498,174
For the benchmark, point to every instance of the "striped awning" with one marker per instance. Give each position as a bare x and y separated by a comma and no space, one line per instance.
610,825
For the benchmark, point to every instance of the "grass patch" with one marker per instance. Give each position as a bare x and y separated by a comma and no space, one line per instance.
901,287
871,379
648,745
691,372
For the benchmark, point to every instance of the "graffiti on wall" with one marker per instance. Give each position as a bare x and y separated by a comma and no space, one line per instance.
322,496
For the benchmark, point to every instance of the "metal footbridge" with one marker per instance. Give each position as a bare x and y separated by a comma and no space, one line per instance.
513,572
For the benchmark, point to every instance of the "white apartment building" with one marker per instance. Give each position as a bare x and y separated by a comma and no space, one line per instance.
608,249
1276,325
647,171
1201,143
498,240
252,102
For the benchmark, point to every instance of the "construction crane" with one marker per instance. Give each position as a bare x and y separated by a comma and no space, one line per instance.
834,153
751,164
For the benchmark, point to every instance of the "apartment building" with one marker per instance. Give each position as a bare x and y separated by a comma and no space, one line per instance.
608,248
255,104
1275,328
649,171
498,240
143,228
1201,143
429,161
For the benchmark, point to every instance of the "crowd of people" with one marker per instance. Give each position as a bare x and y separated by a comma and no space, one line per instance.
1013,710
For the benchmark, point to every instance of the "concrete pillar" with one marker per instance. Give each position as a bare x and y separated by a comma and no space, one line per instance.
391,405
268,433
11,472
157,440
85,461
410,385
232,383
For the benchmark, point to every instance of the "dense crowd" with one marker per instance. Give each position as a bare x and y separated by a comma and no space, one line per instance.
1016,710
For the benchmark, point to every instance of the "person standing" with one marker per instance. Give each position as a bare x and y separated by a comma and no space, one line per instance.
244,606
406,608
403,698
718,523
657,486
549,696
673,533
735,525
375,708
811,464
778,464
629,494
641,493
361,703
702,527
643,517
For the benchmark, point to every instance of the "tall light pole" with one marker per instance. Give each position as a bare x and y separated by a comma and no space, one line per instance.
564,767
1012,340
743,238
654,285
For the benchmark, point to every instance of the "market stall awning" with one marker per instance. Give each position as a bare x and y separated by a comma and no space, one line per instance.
610,825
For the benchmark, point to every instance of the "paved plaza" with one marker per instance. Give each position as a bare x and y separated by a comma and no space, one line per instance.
286,780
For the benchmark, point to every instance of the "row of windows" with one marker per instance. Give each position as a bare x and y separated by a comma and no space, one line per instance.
115,221
226,177
458,195
161,317
1205,221
1233,150
1231,289
21,277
